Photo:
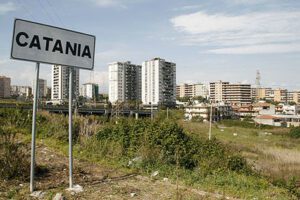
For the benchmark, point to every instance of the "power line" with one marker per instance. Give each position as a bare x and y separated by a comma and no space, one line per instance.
46,12
55,13
26,10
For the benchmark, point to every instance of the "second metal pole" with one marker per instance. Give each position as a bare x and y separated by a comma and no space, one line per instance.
33,130
70,128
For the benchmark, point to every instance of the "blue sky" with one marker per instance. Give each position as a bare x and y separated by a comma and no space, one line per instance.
208,40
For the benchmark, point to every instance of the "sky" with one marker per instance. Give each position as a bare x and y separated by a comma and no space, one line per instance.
211,40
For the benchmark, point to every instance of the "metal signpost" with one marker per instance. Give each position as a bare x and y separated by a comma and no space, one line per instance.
42,43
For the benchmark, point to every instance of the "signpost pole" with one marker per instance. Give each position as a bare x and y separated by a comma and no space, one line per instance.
70,128
33,133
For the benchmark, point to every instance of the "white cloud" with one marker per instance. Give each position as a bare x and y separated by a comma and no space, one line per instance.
108,3
254,49
252,31
7,7
187,7
114,3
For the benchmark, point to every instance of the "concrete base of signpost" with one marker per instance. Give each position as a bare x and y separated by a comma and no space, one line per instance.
75,189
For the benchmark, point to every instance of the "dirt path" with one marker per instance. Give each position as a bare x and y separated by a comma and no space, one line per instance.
101,183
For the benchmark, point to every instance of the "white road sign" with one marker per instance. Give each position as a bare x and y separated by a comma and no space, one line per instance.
47,44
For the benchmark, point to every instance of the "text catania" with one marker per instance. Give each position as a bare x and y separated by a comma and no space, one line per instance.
53,45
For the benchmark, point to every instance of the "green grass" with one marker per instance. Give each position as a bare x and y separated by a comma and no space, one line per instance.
114,146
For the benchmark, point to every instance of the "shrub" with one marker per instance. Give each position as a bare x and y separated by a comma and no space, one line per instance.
165,143
295,132
14,159
237,163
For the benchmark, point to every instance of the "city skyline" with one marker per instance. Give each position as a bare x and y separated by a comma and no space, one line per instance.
208,41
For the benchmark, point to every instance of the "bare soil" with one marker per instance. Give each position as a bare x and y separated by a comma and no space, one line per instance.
98,182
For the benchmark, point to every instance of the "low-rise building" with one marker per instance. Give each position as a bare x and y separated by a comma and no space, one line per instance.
24,91
278,120
219,111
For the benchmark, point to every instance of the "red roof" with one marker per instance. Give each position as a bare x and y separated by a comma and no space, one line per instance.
267,117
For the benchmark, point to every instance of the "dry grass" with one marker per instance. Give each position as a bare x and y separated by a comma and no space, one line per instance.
279,163
275,155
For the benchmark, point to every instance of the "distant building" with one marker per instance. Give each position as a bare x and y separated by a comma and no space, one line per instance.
24,91
90,90
230,93
42,88
124,81
192,90
217,91
262,94
159,82
278,120
294,97
4,87
281,95
219,111
60,83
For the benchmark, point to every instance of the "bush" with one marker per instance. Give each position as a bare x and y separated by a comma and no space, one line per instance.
295,132
165,143
14,159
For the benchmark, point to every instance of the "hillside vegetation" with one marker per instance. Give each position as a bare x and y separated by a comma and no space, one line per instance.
179,151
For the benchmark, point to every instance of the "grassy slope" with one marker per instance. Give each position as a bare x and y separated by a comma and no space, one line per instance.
272,152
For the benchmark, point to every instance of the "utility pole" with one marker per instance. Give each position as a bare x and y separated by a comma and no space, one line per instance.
210,121
167,112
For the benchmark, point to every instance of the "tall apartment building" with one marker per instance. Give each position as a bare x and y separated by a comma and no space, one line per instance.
42,88
4,87
238,93
159,82
230,93
90,90
60,83
217,91
192,90
124,81
24,91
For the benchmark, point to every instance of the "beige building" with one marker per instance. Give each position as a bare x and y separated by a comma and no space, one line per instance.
280,95
237,94
4,87
262,93
192,90
217,91
294,97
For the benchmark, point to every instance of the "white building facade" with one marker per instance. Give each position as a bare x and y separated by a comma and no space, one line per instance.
90,90
124,82
24,91
159,82
60,83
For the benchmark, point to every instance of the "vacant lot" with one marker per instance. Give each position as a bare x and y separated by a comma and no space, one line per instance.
270,150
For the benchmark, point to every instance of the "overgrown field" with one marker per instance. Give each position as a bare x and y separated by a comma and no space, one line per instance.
227,164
